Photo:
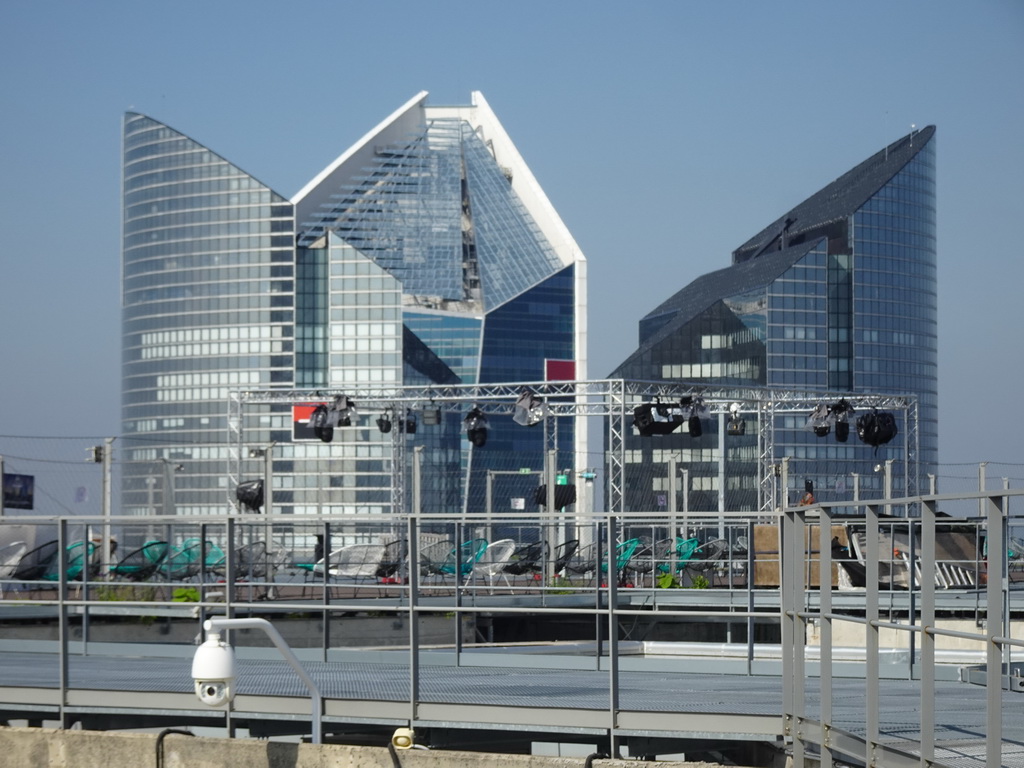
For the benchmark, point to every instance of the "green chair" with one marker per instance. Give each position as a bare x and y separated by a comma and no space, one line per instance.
142,563
676,554
623,553
214,557
182,562
78,558
463,559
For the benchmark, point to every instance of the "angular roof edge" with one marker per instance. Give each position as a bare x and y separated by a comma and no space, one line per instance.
715,286
526,185
413,103
842,196
131,114
406,120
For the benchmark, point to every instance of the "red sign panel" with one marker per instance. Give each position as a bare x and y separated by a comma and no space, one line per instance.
300,421
559,370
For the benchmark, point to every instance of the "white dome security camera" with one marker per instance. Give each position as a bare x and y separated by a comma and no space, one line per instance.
213,693
213,669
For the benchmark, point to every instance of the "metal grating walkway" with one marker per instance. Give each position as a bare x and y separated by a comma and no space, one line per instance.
543,697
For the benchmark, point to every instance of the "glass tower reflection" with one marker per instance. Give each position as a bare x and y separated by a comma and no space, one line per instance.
837,295
423,255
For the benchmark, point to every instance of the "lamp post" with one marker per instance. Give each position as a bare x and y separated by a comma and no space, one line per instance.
150,507
267,454
101,454
170,468
224,667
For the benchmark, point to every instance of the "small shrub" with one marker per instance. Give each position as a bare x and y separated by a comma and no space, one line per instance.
667,581
699,582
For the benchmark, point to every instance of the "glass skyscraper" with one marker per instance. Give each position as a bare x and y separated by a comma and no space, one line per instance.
836,296
426,254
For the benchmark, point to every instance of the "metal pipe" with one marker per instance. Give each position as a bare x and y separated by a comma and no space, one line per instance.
216,623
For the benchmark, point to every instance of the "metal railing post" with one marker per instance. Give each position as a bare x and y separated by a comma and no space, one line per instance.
613,637
63,631
996,574
872,686
412,535
825,625
928,516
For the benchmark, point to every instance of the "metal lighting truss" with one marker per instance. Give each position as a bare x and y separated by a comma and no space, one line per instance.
612,399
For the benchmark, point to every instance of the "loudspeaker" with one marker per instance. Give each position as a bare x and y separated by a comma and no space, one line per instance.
403,738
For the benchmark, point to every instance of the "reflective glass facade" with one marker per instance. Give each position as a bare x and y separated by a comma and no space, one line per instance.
895,338
422,256
837,296
208,295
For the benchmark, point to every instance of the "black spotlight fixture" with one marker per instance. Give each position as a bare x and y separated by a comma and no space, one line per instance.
409,424
325,418
431,416
341,412
476,427
657,418
819,420
693,425
824,417
841,413
697,407
736,426
530,410
250,494
384,423
876,427
318,421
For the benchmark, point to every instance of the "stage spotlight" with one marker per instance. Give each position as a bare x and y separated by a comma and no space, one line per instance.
657,418
384,423
530,410
842,430
841,414
876,428
476,427
737,426
818,421
250,495
696,406
431,416
341,412
318,421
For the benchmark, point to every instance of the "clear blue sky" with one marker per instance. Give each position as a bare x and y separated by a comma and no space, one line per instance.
665,133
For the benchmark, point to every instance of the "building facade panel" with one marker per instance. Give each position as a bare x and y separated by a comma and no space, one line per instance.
410,260
837,296
208,293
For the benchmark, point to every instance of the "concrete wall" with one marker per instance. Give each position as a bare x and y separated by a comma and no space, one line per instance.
851,634
47,748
